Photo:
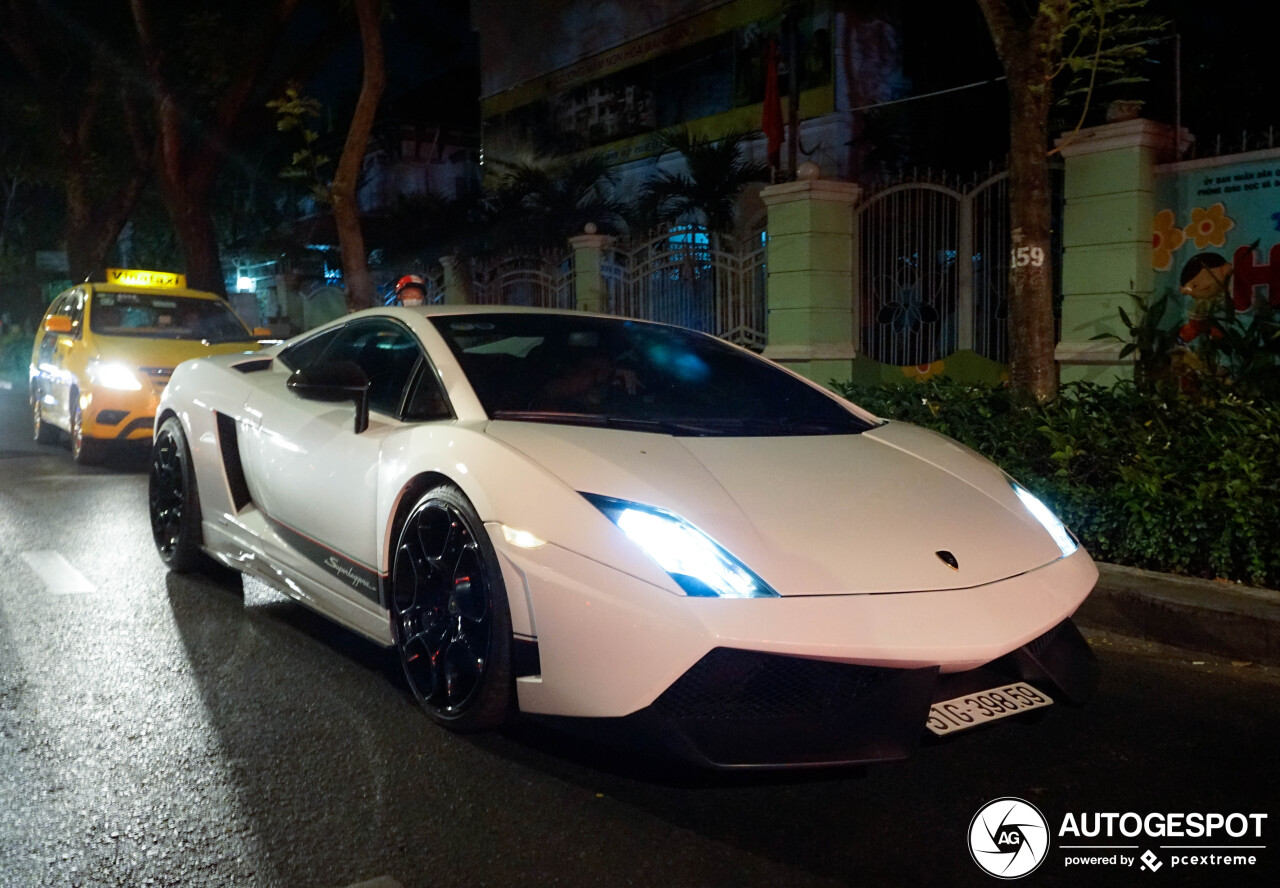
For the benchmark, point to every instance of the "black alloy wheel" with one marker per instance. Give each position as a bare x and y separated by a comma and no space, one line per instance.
174,500
450,615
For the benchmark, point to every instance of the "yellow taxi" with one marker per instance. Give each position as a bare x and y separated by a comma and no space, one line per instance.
105,351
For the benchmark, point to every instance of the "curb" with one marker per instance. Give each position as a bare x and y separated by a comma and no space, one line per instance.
1236,622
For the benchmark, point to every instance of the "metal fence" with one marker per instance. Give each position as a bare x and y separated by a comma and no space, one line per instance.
694,278
541,281
684,275
932,266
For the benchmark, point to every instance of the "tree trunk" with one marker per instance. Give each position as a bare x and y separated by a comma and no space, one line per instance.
92,236
346,212
1029,48
73,102
187,185
189,164
1032,368
93,225
192,215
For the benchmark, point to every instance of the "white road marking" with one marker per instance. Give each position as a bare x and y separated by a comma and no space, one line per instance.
59,577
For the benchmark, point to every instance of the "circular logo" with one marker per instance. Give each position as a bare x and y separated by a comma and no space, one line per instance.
1008,838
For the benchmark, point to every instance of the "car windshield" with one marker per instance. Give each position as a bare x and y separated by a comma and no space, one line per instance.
159,316
633,375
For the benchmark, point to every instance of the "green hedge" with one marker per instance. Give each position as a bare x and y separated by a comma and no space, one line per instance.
1160,482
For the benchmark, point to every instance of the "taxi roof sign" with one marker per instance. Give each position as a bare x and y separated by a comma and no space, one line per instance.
133,277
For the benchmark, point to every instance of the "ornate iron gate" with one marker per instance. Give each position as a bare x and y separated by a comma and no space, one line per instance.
932,271
694,278
685,276
540,281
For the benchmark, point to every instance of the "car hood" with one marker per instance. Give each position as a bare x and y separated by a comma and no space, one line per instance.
814,515
140,351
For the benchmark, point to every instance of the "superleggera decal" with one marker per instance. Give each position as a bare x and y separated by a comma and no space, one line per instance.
359,577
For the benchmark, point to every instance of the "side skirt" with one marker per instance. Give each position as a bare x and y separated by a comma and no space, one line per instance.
237,550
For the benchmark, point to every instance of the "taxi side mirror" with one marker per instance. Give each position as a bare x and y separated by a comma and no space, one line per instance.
58,324
337,381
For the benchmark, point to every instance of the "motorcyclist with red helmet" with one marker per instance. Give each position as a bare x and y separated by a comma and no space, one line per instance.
411,290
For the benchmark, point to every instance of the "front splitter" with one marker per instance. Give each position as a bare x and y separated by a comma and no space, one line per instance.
747,709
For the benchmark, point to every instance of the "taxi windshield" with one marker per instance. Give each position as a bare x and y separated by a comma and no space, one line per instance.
162,316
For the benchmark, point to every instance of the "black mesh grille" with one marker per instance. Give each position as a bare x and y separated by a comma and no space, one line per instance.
734,684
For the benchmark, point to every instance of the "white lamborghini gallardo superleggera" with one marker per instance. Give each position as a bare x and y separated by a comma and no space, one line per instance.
648,531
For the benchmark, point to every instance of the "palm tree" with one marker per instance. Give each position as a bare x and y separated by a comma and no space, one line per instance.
541,205
706,192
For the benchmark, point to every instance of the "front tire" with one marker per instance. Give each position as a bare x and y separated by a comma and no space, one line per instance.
175,500
450,616
41,431
85,451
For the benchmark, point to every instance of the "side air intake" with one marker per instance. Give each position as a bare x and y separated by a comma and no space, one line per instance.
228,443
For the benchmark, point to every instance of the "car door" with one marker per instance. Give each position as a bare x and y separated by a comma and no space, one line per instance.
56,363
44,382
314,478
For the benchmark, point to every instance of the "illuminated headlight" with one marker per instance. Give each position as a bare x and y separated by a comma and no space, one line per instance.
698,564
1066,542
114,376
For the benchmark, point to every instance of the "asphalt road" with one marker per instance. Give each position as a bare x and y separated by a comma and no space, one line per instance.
165,730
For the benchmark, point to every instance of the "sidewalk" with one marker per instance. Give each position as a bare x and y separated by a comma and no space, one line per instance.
1237,622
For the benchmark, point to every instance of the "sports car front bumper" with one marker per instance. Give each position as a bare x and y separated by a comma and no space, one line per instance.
746,709
610,643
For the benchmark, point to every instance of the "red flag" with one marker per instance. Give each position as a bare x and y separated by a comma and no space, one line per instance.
771,116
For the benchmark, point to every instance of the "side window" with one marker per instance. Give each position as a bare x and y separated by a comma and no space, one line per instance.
388,354
427,400
307,351
49,340
74,309
55,307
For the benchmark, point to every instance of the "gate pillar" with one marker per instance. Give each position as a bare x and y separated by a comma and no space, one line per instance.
812,319
590,292
1106,237
457,280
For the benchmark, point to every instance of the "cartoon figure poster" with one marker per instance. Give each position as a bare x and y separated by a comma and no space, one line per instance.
1216,240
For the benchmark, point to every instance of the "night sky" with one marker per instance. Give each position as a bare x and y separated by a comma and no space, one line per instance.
1230,78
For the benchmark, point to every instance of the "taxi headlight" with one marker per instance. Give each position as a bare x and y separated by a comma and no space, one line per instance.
698,564
114,376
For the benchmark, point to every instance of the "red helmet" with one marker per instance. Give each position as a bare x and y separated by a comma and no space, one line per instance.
409,282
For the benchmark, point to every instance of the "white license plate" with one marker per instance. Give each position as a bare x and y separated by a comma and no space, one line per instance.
981,707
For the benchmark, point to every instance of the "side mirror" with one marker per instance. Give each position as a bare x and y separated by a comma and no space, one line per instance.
338,381
58,324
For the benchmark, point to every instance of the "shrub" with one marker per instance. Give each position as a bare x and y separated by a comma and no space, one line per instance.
1147,479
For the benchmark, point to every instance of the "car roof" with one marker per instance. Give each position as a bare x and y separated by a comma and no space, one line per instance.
439,311
502,309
